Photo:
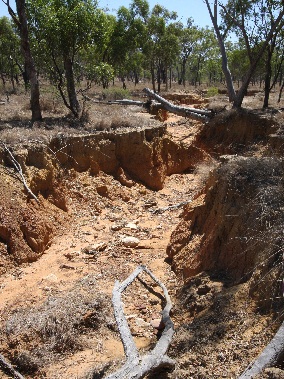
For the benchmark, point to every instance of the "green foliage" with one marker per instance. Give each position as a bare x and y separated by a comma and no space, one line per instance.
212,91
61,31
101,74
10,57
138,41
116,94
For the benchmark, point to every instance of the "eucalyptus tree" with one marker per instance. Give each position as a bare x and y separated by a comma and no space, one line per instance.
144,38
267,20
61,28
161,41
188,41
124,49
20,19
10,58
245,17
204,55
168,51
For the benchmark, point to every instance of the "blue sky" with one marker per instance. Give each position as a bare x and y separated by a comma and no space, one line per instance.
184,8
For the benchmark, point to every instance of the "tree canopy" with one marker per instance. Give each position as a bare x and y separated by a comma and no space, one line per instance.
74,42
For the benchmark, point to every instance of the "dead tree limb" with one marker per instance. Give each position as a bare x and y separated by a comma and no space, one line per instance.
119,102
182,111
137,366
20,172
269,357
9,369
127,102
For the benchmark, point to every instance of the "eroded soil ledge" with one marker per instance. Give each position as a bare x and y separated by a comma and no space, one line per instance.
59,258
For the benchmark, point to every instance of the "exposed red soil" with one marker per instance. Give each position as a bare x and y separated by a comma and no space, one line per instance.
95,190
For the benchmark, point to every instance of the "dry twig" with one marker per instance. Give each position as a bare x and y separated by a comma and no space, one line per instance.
8,368
20,172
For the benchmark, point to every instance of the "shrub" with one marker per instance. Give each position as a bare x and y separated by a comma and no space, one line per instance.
115,93
212,91
56,326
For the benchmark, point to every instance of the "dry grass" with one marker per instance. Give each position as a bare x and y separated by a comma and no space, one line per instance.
56,327
260,182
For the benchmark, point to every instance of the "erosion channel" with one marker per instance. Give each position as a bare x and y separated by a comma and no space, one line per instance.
200,204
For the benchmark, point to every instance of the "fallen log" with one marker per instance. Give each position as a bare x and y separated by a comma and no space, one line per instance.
269,356
137,366
182,111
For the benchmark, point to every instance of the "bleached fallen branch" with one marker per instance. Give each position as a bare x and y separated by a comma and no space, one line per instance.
20,172
137,366
269,356
182,111
119,102
9,369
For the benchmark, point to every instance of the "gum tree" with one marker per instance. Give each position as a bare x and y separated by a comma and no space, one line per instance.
10,58
241,16
20,20
61,28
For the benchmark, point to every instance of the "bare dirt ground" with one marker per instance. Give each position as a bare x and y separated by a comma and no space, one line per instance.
56,314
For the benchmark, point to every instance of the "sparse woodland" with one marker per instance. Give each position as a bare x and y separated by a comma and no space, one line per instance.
141,196
75,44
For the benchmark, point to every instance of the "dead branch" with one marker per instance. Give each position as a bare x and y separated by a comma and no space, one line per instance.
20,172
182,111
127,102
8,368
269,357
119,102
138,366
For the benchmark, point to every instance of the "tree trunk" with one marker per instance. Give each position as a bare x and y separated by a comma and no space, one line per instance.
3,80
29,62
267,79
166,78
238,98
159,78
268,72
153,77
225,67
71,90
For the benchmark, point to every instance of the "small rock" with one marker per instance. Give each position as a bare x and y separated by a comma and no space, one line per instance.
51,278
102,190
140,306
140,322
130,241
150,203
92,249
157,323
128,317
131,225
116,227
